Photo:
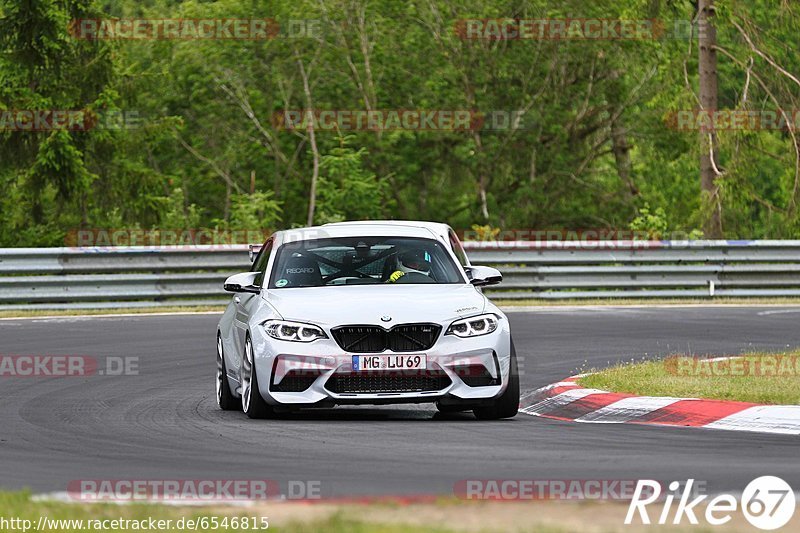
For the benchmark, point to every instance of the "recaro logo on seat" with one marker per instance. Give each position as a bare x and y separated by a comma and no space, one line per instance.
300,270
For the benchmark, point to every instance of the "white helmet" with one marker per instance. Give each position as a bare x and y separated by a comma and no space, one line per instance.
418,261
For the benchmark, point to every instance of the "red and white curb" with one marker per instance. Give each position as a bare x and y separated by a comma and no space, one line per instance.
567,400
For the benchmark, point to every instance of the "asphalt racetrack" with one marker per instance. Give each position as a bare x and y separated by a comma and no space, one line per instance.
164,424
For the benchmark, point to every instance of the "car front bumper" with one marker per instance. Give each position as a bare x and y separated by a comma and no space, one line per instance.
459,370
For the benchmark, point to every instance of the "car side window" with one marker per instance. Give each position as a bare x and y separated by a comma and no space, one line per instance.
260,264
457,248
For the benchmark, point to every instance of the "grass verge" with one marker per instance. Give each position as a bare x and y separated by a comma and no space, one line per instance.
757,378
61,517
446,515
676,302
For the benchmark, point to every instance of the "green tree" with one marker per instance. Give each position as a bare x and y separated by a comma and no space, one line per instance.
47,175
347,191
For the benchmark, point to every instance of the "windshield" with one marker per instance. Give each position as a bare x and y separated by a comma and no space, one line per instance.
361,261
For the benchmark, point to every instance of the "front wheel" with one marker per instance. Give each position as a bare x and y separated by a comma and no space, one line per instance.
253,404
507,405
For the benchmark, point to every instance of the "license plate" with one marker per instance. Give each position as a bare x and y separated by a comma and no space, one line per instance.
365,363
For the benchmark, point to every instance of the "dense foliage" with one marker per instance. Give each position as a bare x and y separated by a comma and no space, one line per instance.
597,148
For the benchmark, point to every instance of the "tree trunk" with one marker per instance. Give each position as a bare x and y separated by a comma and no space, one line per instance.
226,215
622,155
312,195
312,139
483,179
708,103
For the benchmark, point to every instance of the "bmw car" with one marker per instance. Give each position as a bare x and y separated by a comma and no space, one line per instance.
365,313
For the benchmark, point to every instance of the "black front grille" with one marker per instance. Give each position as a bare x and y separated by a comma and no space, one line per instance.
295,381
413,337
377,382
360,339
375,339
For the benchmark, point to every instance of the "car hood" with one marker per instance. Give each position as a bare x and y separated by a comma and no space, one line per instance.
366,304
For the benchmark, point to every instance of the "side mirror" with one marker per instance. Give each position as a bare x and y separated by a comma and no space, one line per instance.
481,276
244,282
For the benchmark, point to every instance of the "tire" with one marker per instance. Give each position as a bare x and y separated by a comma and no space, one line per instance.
225,398
507,404
253,404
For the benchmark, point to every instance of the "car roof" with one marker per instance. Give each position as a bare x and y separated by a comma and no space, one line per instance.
360,229
436,227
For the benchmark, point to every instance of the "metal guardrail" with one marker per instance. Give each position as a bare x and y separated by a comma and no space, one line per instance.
142,277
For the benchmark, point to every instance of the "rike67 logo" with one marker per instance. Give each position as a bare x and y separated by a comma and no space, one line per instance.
767,502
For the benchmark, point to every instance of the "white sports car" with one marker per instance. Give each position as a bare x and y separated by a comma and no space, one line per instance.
365,313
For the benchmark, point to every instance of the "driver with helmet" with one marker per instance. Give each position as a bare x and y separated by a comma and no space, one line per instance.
411,262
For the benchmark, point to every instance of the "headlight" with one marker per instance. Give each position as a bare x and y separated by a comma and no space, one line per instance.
284,330
473,327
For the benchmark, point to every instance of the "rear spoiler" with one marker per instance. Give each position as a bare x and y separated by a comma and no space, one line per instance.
254,250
